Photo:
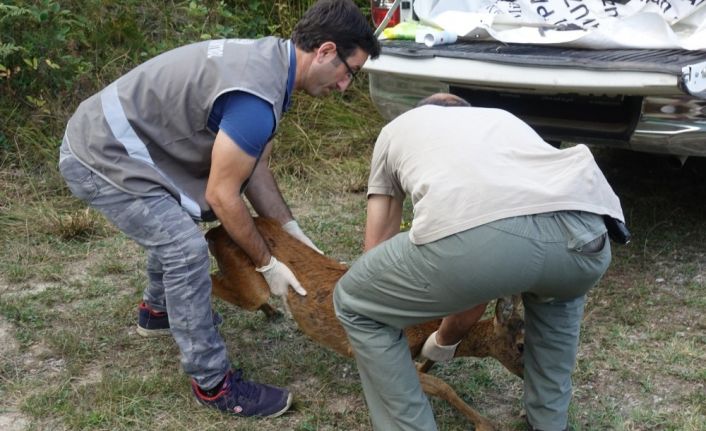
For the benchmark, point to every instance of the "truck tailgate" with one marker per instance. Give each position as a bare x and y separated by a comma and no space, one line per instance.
630,71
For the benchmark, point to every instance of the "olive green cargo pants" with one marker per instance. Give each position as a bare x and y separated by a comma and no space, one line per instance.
553,259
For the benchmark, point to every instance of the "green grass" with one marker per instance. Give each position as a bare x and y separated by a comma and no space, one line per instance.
70,284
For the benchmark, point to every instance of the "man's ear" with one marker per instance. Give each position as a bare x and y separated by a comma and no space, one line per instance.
325,51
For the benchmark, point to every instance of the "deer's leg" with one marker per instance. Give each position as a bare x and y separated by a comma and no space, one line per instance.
269,311
218,288
425,366
434,386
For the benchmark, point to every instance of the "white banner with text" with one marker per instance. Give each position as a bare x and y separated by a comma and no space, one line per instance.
598,24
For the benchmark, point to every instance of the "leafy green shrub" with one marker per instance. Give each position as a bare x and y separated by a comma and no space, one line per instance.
53,54
39,54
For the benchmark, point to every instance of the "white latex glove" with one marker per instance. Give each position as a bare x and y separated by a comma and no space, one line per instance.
432,350
292,227
279,278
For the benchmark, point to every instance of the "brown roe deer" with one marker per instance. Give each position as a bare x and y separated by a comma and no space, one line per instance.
237,282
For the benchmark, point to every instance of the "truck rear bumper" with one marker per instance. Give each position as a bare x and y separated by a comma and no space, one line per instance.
674,125
513,77
639,111
546,67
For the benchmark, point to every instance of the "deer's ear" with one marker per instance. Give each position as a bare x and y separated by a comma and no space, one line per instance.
504,308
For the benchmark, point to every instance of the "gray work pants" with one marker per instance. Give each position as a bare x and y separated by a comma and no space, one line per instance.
399,284
178,265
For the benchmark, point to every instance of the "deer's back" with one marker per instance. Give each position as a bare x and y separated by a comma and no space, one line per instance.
318,274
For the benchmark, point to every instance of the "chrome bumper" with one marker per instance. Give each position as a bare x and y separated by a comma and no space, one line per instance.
673,125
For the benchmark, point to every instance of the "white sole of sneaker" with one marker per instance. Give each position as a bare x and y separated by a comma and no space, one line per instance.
153,332
286,407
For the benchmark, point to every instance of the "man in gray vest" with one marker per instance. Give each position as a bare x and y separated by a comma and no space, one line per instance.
176,141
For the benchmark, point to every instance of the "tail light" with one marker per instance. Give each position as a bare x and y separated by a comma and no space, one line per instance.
378,10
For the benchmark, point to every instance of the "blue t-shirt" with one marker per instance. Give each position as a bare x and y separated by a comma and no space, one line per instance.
248,119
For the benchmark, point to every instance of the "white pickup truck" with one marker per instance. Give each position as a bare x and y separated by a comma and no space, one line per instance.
651,100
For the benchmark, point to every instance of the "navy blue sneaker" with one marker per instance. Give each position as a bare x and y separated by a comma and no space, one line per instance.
152,323
245,398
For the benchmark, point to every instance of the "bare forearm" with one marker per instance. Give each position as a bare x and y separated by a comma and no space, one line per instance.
265,197
374,237
453,328
383,220
236,219
230,168
264,194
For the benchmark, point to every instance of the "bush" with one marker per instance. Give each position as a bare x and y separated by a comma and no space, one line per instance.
55,54
39,56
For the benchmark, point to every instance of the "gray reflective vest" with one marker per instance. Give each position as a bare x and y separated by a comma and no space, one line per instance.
148,130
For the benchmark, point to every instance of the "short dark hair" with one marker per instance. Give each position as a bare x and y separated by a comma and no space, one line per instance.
338,21
443,99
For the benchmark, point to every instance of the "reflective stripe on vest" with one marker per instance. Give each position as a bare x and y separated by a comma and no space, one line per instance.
125,134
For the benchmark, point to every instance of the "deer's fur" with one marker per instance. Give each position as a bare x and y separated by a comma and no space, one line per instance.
237,282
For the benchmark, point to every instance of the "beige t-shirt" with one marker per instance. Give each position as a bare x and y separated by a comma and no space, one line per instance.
464,167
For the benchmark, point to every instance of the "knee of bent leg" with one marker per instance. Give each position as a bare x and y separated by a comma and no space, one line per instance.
187,251
342,306
195,248
352,312
338,300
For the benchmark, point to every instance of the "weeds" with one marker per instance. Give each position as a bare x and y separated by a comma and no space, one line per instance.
78,225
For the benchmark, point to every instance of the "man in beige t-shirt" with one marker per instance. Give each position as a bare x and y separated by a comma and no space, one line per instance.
497,211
